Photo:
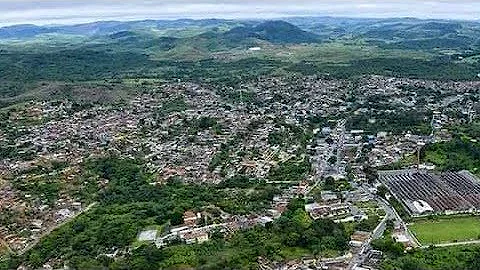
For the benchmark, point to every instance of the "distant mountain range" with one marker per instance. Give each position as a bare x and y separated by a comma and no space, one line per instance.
384,28
214,34
102,27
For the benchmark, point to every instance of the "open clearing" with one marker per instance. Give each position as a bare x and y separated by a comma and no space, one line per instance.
454,229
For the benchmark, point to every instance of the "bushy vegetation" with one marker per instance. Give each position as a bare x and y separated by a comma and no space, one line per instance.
70,65
174,105
437,69
455,155
461,257
290,170
130,203
397,122
338,185
24,68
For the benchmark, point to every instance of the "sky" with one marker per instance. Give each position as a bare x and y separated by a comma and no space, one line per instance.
76,11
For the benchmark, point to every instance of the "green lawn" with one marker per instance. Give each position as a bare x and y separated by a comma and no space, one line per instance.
454,229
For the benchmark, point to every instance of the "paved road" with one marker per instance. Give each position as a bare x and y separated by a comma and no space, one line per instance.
282,182
399,220
359,257
390,213
474,242
320,160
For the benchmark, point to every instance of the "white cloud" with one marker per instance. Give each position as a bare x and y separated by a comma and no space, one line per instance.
75,11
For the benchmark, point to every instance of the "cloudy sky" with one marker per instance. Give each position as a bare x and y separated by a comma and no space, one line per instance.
76,11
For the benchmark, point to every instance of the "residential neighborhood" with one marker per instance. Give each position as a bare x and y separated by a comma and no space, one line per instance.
191,132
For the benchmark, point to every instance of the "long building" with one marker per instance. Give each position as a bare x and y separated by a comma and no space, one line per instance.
424,192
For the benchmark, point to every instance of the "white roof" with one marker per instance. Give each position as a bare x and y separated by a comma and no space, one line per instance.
311,206
265,219
402,238
422,206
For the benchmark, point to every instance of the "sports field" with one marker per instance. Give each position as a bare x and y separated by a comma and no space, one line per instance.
453,229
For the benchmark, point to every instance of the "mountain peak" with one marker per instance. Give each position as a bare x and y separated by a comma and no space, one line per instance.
279,32
275,25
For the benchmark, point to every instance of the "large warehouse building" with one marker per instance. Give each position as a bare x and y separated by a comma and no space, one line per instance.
424,192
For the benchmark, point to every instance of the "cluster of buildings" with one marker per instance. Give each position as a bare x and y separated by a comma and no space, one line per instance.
338,211
192,231
45,142
389,149
30,226
340,207
197,229
48,141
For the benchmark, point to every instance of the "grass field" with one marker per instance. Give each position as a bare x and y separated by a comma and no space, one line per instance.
331,52
454,229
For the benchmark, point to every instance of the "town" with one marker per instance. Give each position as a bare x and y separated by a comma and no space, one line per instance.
197,133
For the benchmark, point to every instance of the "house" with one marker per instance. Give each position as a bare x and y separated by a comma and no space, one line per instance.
401,238
302,188
329,196
326,130
63,214
358,238
263,220
195,237
190,218
335,209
